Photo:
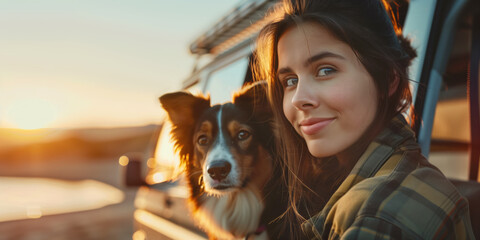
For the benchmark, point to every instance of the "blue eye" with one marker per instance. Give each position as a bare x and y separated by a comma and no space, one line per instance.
325,71
291,82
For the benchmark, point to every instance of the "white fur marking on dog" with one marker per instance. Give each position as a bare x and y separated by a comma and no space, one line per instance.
220,151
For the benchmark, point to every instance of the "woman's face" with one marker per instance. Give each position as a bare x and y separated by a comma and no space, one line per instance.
329,97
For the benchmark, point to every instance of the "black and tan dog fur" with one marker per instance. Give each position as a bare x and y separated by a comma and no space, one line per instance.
227,152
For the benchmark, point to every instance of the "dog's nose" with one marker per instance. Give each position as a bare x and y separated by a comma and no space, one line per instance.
219,170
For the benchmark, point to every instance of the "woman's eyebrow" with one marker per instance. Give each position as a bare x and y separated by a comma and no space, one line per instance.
322,55
284,70
311,60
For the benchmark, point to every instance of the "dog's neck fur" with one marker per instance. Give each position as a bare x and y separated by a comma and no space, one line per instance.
231,216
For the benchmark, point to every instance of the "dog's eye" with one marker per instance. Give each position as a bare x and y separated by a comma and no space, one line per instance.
202,140
243,134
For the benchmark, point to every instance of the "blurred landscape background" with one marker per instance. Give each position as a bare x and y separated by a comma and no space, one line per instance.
27,148
71,156
79,87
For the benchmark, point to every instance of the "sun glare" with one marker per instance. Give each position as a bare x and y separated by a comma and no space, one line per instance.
31,113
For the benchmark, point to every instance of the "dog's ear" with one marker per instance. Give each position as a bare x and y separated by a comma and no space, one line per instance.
183,110
254,97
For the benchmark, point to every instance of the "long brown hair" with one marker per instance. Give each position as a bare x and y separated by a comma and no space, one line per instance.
367,28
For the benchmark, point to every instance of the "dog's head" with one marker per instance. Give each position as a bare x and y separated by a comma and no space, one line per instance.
222,147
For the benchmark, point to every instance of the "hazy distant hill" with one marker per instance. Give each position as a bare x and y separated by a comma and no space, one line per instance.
18,137
52,144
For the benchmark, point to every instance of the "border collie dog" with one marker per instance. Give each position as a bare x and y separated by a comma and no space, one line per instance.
227,154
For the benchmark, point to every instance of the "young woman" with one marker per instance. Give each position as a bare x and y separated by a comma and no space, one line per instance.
337,75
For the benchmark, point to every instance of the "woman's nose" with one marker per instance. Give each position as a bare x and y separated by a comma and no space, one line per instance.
304,97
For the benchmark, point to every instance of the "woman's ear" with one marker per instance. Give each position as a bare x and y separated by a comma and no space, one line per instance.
394,86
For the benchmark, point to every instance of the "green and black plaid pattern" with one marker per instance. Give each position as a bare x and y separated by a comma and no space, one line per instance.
393,193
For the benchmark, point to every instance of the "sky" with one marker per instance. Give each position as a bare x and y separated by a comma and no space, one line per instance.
96,63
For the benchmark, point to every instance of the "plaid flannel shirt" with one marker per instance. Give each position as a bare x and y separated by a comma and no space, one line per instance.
393,193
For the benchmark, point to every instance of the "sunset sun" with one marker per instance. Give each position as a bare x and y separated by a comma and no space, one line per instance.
31,113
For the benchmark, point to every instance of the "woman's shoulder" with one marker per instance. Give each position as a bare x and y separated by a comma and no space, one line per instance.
424,191
422,202
408,174
406,198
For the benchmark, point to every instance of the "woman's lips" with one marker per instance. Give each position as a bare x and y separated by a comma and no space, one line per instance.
313,125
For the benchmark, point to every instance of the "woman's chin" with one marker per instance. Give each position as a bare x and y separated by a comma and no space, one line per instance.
319,150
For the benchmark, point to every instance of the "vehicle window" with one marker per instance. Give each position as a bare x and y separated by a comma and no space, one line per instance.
223,82
451,128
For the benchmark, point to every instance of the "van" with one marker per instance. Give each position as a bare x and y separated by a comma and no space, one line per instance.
445,86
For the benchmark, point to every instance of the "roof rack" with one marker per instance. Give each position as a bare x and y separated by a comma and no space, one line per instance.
242,22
